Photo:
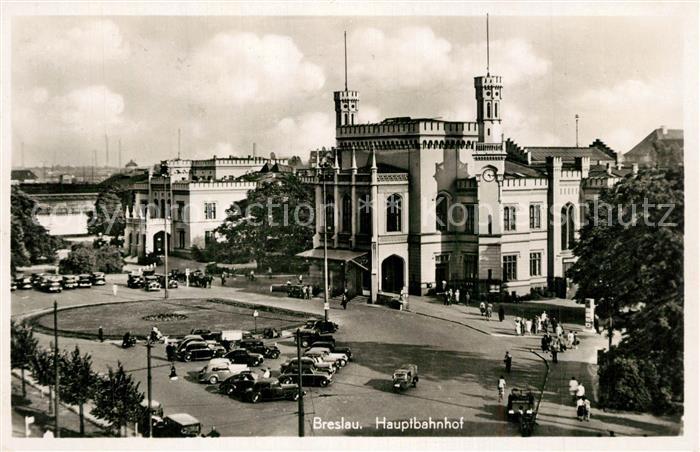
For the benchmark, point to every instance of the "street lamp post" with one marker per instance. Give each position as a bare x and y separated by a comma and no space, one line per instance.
57,432
166,241
325,246
255,319
148,383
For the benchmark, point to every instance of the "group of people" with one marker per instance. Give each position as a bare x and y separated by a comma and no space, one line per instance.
486,310
454,295
578,395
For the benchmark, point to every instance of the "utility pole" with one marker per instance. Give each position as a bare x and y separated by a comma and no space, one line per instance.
57,432
148,382
301,391
576,129
345,43
488,54
325,248
179,138
166,241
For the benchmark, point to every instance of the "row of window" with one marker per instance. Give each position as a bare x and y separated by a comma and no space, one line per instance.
393,204
510,266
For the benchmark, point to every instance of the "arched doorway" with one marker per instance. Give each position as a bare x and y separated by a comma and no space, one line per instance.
158,243
392,274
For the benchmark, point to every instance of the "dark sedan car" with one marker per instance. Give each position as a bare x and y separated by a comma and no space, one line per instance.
309,337
195,351
270,389
135,281
236,384
258,346
98,279
85,280
23,282
322,326
243,356
309,377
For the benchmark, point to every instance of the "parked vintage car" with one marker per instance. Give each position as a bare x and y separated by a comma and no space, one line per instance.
51,284
23,282
135,280
219,369
98,279
309,377
308,362
151,283
70,282
270,389
339,359
180,425
308,337
258,346
13,284
405,376
243,356
172,283
206,334
520,403
195,351
37,278
235,384
218,349
334,349
322,326
84,280
156,415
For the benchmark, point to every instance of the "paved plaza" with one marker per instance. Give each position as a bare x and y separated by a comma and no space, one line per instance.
459,355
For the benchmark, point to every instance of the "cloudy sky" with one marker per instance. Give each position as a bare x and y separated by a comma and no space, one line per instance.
230,81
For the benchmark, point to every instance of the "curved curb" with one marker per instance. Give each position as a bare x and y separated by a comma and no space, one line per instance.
32,317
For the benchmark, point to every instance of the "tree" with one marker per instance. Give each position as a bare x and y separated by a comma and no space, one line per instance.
77,382
30,242
275,219
86,259
630,260
117,398
23,346
42,366
108,216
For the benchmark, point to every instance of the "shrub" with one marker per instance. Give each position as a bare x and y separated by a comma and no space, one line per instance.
85,259
624,383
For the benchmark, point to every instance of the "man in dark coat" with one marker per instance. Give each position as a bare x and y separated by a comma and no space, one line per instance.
501,313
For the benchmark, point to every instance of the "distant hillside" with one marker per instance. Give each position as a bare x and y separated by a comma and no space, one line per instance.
663,148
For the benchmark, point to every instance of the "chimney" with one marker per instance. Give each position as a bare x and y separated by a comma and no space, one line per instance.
664,130
635,169
608,168
619,166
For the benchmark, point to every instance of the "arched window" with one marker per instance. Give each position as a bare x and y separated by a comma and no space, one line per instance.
346,120
364,209
393,213
490,226
441,206
162,208
495,109
488,109
567,227
347,213
330,212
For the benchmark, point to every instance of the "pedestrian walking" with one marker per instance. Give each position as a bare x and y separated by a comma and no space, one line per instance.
269,272
554,348
301,279
445,298
508,360
587,405
517,326
528,326
115,289
214,433
489,311
580,391
223,279
538,324
576,341
580,409
344,301
501,388
482,308
100,334
457,295
467,297
559,330
501,313
170,351
573,387
450,295
544,342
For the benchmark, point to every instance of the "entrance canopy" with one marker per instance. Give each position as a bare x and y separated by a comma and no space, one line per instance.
359,258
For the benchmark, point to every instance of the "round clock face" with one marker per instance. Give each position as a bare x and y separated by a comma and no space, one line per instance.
489,175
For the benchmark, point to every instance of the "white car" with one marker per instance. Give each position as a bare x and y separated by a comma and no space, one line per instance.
219,369
339,359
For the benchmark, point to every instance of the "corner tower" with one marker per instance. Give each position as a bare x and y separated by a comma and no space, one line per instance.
346,102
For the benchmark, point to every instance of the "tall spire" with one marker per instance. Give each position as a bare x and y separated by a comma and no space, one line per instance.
576,129
345,43
487,45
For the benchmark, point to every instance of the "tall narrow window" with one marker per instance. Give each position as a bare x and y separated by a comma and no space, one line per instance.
535,216
567,226
471,269
509,218
488,109
393,213
364,209
162,208
470,219
347,213
510,268
441,207
209,210
536,264
495,109
490,225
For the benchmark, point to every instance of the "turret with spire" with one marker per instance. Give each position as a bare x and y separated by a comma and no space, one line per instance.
488,100
346,102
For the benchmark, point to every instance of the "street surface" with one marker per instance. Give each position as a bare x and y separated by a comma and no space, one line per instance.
459,356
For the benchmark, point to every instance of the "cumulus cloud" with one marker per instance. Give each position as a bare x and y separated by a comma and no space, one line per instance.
96,41
411,57
299,135
241,68
86,108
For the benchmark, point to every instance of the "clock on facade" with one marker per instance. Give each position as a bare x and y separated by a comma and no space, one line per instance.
489,175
